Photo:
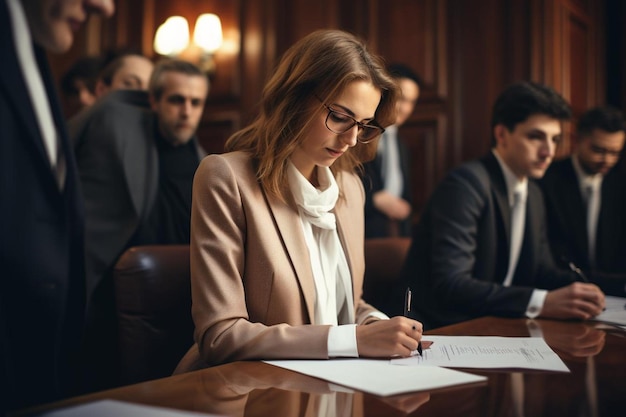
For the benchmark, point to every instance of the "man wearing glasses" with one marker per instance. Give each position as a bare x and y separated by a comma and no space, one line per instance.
585,202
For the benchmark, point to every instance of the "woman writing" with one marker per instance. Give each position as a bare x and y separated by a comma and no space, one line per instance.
277,230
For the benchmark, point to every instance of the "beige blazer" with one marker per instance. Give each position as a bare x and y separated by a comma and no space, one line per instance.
253,293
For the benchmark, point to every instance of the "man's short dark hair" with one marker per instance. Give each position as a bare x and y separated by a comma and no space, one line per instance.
523,99
605,118
398,71
85,69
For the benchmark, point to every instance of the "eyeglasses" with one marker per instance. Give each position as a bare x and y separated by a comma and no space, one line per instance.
338,122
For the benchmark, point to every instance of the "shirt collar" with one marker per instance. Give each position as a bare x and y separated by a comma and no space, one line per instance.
584,179
392,130
513,184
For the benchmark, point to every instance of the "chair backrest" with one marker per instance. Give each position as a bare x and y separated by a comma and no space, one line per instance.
384,259
153,302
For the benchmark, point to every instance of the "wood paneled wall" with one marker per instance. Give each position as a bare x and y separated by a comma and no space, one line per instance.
466,52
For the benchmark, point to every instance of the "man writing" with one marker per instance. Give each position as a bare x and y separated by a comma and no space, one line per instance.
481,247
585,202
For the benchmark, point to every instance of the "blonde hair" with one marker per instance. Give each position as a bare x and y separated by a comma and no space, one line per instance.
319,65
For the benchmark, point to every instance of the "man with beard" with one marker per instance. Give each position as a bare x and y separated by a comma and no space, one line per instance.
586,205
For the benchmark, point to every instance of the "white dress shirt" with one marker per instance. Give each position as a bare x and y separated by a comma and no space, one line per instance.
591,191
36,89
520,187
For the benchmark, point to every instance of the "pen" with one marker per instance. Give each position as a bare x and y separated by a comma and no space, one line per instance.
581,275
578,272
407,311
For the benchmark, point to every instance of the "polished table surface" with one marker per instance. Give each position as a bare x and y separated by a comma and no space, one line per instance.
596,385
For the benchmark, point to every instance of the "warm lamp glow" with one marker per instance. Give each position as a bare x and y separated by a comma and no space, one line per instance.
208,32
172,37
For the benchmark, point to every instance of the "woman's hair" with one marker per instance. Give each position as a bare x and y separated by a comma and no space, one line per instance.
318,67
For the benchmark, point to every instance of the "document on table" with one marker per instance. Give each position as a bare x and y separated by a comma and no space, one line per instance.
378,377
615,312
113,408
487,352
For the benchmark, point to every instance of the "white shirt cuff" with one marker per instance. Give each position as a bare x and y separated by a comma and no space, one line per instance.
535,305
342,341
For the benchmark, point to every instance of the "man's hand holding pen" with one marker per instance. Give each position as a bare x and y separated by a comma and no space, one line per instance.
578,300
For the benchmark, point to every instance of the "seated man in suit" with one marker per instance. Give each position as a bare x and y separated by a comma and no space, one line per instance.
386,179
585,202
137,154
481,247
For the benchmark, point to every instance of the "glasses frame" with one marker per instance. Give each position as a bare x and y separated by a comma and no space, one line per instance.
361,126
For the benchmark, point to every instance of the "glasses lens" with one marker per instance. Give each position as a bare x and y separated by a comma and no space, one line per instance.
368,133
338,122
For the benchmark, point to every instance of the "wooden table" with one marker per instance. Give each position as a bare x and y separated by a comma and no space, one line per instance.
596,385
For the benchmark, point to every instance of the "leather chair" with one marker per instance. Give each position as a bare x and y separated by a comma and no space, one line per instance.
384,260
153,302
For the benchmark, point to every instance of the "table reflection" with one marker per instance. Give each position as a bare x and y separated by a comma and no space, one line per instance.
256,389
577,339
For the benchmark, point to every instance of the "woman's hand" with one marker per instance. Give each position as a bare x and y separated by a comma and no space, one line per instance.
398,336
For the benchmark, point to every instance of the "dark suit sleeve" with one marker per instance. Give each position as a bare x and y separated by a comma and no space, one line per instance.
372,183
465,249
547,275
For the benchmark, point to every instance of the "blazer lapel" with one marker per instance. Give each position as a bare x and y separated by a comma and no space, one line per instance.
499,192
140,161
290,229
345,230
574,209
12,80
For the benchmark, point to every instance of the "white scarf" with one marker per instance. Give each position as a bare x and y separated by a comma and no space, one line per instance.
334,303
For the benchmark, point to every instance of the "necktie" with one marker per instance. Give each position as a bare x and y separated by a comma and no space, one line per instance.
517,235
593,209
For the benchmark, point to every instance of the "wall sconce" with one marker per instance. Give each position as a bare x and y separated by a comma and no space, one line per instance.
172,38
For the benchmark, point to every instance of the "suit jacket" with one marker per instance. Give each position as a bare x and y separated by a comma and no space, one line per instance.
251,279
118,162
118,166
41,226
460,250
567,225
377,224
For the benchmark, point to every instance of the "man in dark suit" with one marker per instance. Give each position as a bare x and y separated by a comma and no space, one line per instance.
480,247
41,230
136,153
585,229
387,178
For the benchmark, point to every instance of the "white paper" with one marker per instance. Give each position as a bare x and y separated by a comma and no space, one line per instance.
113,408
487,352
378,377
615,312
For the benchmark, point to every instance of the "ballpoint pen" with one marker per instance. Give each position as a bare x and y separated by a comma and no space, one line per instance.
407,311
578,272
581,275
